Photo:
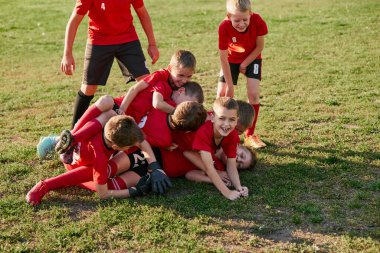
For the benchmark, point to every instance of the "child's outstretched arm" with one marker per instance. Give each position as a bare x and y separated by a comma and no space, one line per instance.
216,180
146,24
131,94
159,103
253,55
229,91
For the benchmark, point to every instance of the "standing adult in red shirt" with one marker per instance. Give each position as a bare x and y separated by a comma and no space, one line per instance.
111,34
241,41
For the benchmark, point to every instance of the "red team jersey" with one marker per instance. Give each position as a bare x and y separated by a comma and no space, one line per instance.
93,152
109,22
240,45
142,103
204,141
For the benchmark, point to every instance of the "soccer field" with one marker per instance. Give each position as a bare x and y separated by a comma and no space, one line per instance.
316,187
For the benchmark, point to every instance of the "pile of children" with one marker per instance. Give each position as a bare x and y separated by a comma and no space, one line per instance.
131,145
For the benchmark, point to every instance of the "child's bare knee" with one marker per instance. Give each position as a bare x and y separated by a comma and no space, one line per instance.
105,103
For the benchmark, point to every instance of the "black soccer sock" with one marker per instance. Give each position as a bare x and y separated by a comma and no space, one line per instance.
82,102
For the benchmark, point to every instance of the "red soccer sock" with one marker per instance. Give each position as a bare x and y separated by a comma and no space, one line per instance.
91,113
88,130
116,183
250,131
70,178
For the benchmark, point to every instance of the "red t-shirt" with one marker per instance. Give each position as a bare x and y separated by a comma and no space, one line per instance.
142,103
175,164
109,22
156,128
94,152
204,141
240,45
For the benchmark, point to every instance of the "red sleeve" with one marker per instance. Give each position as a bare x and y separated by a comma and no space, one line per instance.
261,26
222,32
82,6
159,75
229,144
203,139
164,89
137,4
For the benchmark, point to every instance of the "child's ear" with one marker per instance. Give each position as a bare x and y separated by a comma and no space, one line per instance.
181,90
212,117
169,67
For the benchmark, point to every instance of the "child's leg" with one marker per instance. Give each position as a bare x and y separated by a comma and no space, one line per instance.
69,178
253,92
103,104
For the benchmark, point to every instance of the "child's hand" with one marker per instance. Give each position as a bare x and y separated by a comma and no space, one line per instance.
225,178
172,147
232,195
153,53
242,69
230,91
68,65
243,191
120,112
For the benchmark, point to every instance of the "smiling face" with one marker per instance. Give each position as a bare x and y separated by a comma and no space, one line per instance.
179,76
240,20
224,120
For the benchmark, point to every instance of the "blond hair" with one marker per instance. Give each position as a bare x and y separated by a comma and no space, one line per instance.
233,6
183,59
188,116
123,131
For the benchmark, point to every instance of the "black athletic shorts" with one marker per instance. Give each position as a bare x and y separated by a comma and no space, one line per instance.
139,164
253,71
99,59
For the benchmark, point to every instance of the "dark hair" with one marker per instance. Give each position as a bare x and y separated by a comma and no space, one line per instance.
246,114
194,89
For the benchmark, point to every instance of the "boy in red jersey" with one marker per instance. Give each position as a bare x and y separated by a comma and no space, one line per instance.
153,92
111,34
241,41
91,160
219,132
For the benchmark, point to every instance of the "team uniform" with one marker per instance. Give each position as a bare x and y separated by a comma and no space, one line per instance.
142,103
111,34
240,45
204,141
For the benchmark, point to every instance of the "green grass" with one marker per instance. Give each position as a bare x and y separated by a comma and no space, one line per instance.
317,184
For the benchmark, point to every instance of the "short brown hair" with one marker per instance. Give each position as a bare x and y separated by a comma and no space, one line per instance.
123,131
246,114
188,116
228,103
238,5
183,59
194,89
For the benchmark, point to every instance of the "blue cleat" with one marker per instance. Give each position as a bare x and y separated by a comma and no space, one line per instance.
46,146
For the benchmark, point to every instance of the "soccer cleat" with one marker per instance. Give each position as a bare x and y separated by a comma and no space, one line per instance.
65,141
254,141
36,194
67,157
46,146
